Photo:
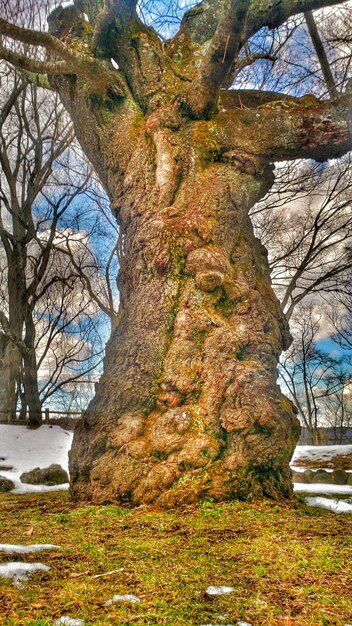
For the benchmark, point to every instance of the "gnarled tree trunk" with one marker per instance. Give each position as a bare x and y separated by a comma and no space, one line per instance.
188,405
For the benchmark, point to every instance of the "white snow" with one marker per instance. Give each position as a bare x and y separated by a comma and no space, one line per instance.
322,454
343,490
319,453
240,623
19,572
25,449
26,488
68,621
128,597
337,506
8,548
219,591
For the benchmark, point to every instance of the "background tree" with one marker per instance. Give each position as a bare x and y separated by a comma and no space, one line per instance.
337,408
306,223
317,382
188,405
50,327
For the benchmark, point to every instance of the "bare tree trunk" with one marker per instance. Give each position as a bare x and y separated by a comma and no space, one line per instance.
30,377
9,363
188,406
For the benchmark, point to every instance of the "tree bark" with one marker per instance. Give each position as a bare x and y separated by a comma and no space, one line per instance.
9,366
30,375
188,407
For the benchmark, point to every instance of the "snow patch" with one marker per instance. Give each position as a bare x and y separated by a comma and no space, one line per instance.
240,623
19,572
219,591
40,488
336,506
128,597
323,453
68,621
25,449
343,490
8,548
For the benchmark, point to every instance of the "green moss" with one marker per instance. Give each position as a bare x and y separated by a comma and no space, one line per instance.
158,455
224,305
101,446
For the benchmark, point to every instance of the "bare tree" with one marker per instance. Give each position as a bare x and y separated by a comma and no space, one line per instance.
30,142
315,380
337,406
46,314
340,316
306,223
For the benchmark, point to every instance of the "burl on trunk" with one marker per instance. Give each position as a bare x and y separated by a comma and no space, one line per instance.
188,407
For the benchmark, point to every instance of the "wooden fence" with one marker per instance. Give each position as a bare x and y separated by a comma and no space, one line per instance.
48,416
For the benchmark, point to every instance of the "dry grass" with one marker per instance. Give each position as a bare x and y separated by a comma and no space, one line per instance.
289,565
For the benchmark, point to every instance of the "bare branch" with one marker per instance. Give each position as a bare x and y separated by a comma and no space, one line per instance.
31,65
321,54
98,73
298,128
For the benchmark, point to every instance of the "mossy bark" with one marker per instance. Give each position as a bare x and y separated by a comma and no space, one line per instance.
188,407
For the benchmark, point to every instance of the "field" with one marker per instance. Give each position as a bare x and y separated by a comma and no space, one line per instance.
288,565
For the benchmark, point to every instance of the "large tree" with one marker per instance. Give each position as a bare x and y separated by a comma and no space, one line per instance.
188,406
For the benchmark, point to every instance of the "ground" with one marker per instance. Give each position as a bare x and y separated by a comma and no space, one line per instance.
289,564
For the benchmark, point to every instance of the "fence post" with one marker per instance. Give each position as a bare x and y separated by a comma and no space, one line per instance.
46,418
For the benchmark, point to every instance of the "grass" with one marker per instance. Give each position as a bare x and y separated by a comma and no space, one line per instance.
290,565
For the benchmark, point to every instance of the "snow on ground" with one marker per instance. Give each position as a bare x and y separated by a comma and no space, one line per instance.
68,621
326,469
26,488
343,490
19,572
337,506
24,449
319,453
8,548
219,591
128,597
240,623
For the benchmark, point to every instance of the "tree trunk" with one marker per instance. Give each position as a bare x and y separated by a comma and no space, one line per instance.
9,366
188,407
30,375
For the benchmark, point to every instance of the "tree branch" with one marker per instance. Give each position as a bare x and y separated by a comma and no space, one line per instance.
31,65
273,13
96,72
321,54
290,129
218,58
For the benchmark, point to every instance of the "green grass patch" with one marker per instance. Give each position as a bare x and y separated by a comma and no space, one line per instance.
290,565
